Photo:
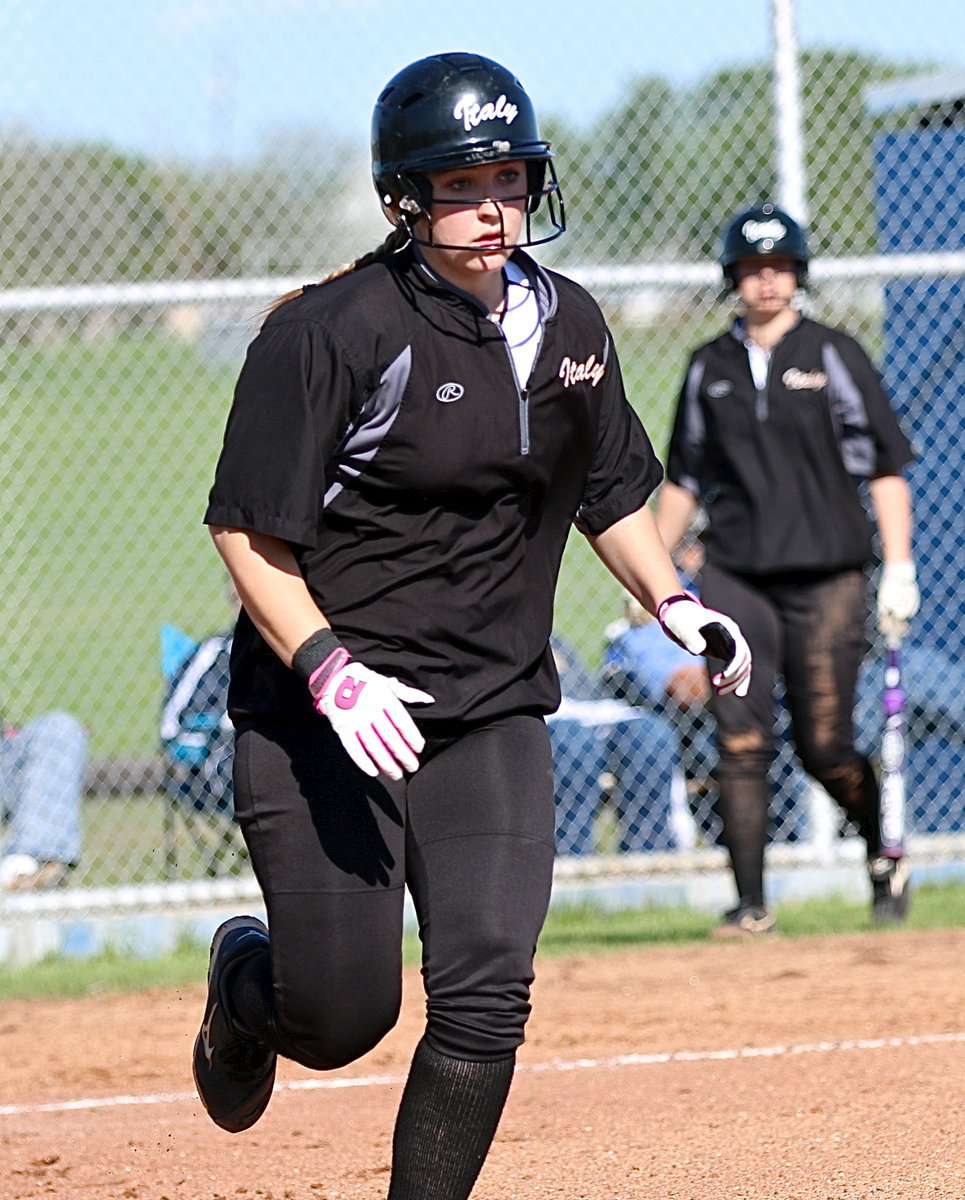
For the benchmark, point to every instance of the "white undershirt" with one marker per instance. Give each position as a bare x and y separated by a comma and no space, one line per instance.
521,321
757,356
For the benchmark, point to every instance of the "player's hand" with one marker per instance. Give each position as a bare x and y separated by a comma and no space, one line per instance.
898,599
703,630
363,707
366,711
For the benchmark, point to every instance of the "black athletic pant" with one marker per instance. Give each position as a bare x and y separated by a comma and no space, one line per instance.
472,835
810,628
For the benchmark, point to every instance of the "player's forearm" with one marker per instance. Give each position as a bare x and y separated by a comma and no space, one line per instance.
891,500
676,508
633,551
271,588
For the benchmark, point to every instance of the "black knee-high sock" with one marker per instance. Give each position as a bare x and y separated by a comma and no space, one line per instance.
447,1120
855,788
743,806
870,823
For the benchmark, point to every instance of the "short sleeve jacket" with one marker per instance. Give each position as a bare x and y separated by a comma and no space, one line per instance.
779,470
379,429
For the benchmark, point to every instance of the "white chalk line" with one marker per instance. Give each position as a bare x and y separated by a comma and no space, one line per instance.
556,1064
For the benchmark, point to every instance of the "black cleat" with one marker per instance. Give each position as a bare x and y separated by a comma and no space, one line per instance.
891,889
744,921
234,1073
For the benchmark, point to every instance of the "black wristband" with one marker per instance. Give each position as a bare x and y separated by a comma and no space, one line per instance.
313,652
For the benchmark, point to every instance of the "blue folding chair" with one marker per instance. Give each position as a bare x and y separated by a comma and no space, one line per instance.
197,743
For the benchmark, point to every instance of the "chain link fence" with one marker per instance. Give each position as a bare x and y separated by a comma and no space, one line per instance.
132,275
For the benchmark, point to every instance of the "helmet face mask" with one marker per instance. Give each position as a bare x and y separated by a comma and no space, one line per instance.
459,110
764,232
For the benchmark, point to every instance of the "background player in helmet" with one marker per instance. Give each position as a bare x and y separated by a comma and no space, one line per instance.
778,421
408,446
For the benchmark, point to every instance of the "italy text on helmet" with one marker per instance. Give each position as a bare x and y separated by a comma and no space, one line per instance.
472,113
758,231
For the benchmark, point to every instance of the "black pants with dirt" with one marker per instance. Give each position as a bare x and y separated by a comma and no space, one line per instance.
810,628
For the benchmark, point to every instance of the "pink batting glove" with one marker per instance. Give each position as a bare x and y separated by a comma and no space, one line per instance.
366,711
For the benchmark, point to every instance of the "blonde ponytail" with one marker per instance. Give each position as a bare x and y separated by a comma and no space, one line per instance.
398,238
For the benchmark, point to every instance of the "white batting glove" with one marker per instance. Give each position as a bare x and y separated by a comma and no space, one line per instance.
703,630
898,599
365,710
363,707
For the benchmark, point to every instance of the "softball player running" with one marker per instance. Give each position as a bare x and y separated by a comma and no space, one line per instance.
778,421
408,446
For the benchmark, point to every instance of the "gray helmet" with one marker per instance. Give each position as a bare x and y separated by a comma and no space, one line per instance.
454,110
762,232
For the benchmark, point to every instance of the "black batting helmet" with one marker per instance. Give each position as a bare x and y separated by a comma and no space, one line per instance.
763,232
457,110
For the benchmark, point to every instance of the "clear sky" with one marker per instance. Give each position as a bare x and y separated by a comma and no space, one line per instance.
190,76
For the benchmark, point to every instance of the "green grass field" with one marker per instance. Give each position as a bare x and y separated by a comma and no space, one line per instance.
113,445
572,930
140,839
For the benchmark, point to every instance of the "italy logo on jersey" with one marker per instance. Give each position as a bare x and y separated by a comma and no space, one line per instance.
590,371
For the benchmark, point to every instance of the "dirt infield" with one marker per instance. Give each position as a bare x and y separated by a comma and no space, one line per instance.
818,1069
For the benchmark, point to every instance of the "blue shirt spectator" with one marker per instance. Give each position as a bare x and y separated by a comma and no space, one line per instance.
42,769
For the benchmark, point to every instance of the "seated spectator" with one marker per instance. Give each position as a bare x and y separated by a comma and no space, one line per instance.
641,666
42,769
197,736
603,749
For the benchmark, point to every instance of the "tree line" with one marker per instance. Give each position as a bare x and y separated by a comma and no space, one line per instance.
653,177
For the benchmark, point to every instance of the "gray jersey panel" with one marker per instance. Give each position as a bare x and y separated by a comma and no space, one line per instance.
363,440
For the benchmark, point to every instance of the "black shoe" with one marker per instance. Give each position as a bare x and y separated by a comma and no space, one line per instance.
745,921
891,889
234,1074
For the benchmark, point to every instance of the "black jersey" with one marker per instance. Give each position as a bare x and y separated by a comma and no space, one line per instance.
779,470
378,427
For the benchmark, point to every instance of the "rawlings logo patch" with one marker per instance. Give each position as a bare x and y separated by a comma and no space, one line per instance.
449,393
348,692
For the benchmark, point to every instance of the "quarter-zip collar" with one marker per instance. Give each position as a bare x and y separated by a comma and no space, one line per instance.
759,361
739,332
412,267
